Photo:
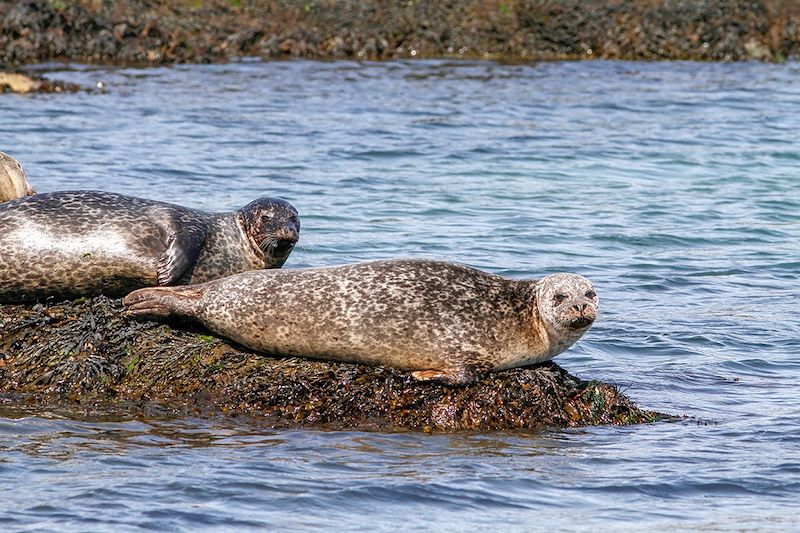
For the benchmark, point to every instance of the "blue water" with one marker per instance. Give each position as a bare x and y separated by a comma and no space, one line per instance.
674,186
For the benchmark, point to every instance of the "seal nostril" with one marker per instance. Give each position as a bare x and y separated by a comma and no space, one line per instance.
284,245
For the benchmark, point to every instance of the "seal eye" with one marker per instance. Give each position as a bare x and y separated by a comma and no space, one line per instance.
558,298
590,294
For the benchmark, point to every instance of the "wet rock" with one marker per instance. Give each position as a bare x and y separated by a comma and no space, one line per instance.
84,352
757,50
17,82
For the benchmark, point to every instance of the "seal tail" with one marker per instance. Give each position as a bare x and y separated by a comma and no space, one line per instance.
162,302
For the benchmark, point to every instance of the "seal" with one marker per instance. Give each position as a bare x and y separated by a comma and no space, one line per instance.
82,243
13,180
441,321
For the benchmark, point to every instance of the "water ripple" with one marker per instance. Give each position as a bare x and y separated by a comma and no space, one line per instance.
672,185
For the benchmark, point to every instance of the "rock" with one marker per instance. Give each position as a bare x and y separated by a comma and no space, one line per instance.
85,353
155,32
758,50
18,83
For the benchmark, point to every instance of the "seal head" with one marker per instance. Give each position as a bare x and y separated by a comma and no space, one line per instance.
13,181
273,227
567,305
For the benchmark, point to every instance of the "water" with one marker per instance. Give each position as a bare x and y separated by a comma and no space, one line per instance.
674,186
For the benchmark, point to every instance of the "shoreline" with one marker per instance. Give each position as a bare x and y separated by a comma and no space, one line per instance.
138,33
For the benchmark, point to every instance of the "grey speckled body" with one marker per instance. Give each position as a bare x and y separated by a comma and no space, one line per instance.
13,181
443,321
80,243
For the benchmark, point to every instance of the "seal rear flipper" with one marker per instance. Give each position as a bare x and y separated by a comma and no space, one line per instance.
161,302
183,249
453,377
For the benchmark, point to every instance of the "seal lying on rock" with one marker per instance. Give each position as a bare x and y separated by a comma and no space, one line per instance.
82,243
13,181
442,321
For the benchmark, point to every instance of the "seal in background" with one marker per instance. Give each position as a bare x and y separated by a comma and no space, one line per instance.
13,181
83,243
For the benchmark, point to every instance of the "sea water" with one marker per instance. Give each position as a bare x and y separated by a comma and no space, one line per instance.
674,187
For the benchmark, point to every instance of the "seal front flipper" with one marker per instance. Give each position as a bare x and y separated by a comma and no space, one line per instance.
183,249
453,377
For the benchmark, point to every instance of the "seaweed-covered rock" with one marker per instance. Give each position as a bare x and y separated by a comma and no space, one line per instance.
137,31
86,352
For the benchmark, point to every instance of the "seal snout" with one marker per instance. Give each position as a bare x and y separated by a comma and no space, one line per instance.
584,315
284,246
284,240
581,322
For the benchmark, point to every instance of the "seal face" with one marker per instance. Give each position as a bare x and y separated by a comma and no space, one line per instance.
81,243
273,226
441,321
13,181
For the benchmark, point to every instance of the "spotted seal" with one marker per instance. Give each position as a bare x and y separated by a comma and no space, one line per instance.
441,321
13,181
80,243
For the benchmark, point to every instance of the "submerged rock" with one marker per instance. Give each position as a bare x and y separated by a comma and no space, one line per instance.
84,352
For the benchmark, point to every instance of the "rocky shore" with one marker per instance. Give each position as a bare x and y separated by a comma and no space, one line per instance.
157,32
85,354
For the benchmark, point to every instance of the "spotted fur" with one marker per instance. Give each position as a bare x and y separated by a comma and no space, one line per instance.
441,321
13,181
82,243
